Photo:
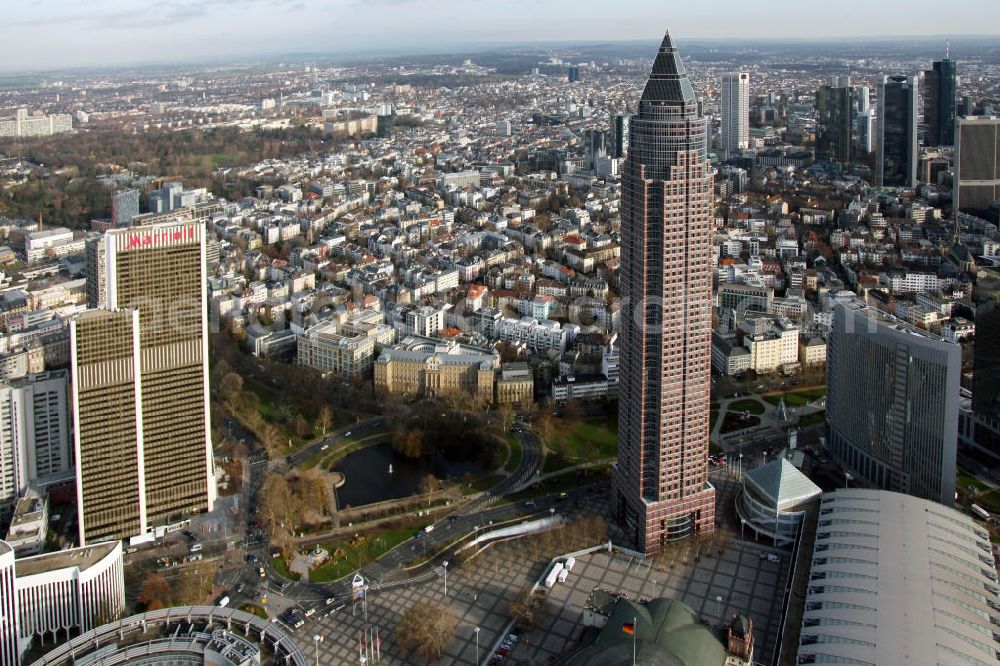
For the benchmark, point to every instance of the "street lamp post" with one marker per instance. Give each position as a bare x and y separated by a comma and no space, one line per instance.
743,524
476,630
445,565
317,639
718,606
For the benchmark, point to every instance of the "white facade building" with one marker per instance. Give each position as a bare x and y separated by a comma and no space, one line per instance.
538,336
9,625
735,107
68,591
54,596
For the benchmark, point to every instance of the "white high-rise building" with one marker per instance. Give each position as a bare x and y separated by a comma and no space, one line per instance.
735,105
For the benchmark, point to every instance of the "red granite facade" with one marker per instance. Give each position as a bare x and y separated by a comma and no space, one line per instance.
660,484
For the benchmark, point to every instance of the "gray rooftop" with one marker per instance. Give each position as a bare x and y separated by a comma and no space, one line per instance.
782,484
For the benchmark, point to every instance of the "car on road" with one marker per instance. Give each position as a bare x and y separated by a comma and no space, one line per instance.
324,447
771,557
262,573
240,588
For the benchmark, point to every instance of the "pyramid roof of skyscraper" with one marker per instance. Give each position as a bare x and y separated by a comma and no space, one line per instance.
668,82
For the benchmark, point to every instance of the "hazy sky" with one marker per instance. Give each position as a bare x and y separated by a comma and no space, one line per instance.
51,33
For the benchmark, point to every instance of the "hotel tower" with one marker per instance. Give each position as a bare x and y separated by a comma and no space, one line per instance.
660,483
140,385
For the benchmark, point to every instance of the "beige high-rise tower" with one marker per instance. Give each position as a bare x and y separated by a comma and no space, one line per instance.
660,483
140,385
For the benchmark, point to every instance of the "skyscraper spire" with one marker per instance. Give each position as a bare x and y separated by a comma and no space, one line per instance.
947,48
668,82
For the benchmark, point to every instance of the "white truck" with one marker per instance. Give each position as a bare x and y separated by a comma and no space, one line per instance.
553,575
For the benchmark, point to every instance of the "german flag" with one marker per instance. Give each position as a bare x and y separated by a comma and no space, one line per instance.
629,629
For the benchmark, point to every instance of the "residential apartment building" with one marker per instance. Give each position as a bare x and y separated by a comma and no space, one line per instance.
538,336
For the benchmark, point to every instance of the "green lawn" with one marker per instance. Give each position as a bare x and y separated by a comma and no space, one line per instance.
481,484
969,483
356,556
990,500
809,420
515,452
588,439
281,567
752,406
735,421
796,398
563,482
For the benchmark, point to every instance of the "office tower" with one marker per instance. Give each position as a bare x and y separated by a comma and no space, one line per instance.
939,103
94,271
892,403
619,139
834,117
158,272
977,164
864,131
573,74
595,144
660,482
34,417
984,429
967,107
108,437
735,128
383,125
124,206
862,99
896,146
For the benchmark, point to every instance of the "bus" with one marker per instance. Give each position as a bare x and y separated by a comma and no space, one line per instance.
982,513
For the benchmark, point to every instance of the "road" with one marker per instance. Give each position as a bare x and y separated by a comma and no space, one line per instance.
484,511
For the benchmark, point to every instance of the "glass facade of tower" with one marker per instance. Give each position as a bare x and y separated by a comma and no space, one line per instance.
898,149
834,105
939,103
660,483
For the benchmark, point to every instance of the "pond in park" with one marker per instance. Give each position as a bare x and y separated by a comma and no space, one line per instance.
367,476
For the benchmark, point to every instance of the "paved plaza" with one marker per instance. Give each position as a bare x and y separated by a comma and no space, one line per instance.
479,593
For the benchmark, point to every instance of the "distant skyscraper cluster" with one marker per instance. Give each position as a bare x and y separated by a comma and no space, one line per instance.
660,488
847,125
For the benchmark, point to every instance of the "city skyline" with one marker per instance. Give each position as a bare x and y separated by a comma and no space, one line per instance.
58,34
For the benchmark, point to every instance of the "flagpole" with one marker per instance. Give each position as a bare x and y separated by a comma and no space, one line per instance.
378,644
634,620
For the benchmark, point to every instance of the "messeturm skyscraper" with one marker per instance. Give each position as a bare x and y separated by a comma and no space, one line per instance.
660,483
